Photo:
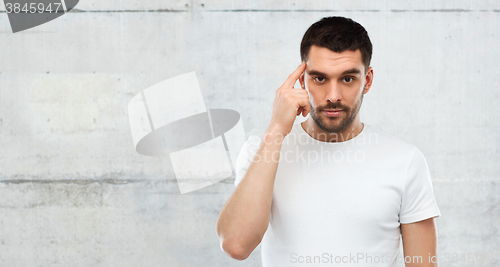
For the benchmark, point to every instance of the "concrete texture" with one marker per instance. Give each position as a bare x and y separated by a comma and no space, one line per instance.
73,192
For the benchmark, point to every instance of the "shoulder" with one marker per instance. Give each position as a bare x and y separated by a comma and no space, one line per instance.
250,147
252,144
254,140
388,142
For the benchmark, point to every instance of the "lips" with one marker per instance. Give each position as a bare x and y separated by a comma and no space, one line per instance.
332,112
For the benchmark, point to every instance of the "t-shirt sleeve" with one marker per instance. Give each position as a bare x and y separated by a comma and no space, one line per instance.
246,156
418,201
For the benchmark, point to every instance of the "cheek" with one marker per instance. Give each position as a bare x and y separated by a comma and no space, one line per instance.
307,87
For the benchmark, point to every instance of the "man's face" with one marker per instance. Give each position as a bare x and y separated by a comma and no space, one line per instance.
335,81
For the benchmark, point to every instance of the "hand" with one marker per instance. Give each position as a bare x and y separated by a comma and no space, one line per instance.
289,103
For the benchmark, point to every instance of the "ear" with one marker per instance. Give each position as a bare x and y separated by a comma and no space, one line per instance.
369,80
301,81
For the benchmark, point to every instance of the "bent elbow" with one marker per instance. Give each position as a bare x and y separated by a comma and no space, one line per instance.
235,251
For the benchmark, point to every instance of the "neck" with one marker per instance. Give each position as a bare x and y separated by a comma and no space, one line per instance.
312,129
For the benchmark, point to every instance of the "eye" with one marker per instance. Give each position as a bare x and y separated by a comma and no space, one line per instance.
319,79
348,79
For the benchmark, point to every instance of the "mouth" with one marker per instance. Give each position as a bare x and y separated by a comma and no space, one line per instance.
332,112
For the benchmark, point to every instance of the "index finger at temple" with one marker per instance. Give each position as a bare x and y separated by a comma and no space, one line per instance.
290,81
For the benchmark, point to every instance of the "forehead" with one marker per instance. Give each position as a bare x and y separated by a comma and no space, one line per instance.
324,60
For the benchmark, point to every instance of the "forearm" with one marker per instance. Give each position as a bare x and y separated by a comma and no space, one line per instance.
244,218
418,259
420,243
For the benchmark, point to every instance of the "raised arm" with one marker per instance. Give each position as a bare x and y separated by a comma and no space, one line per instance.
244,218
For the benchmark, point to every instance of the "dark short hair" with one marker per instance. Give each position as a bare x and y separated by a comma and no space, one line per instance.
337,34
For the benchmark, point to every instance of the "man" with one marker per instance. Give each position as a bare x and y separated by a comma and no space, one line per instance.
330,190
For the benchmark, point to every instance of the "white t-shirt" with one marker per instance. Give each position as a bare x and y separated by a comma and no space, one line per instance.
342,203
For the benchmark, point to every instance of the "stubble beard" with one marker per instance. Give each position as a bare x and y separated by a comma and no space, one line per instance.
332,124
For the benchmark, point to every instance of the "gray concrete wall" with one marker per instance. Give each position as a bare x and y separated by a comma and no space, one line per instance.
73,192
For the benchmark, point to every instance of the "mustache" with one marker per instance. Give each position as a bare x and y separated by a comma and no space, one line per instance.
334,105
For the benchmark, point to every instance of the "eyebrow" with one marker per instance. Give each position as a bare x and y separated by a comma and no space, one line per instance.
349,71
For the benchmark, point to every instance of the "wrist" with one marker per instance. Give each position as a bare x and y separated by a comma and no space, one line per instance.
274,134
276,129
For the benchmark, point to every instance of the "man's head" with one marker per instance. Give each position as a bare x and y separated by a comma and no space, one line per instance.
337,52
338,34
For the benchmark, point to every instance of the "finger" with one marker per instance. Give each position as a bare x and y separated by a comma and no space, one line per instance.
304,104
290,81
306,111
308,106
299,111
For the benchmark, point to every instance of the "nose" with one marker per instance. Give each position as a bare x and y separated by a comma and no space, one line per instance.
333,93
